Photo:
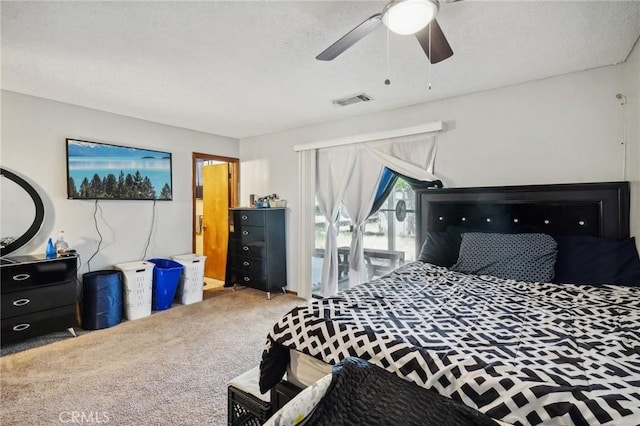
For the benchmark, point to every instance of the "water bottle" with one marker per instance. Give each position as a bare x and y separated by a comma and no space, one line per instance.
50,251
61,245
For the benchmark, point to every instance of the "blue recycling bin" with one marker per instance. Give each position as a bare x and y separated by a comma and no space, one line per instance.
101,299
166,276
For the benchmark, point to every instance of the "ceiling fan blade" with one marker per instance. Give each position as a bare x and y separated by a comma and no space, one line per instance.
350,38
440,49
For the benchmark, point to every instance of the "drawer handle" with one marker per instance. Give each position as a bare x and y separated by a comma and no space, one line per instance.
247,279
21,302
245,263
245,232
245,217
21,277
245,248
21,327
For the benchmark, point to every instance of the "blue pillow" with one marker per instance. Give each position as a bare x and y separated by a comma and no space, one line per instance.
522,257
593,260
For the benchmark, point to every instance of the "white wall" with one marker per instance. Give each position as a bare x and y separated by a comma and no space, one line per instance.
33,144
631,90
558,130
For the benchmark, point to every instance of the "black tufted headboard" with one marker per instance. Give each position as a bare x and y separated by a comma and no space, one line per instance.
596,209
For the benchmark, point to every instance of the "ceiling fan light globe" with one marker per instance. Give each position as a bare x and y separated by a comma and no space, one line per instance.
409,16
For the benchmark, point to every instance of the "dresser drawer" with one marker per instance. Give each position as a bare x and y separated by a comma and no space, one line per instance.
248,217
248,234
38,323
37,299
24,275
255,249
253,266
245,279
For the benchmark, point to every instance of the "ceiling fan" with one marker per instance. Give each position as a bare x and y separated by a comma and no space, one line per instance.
402,17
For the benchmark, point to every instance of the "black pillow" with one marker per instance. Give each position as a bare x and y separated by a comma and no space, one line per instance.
440,248
593,260
443,248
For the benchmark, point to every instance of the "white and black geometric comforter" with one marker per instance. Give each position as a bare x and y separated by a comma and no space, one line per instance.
523,353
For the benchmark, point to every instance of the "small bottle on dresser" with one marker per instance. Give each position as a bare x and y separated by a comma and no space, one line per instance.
61,245
50,251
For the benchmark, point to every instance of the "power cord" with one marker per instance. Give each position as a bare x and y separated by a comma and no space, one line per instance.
623,101
95,221
79,286
153,222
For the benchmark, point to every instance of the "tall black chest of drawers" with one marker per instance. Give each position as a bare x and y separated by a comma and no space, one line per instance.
257,255
38,296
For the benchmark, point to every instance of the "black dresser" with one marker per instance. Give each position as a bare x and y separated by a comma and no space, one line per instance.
38,296
257,255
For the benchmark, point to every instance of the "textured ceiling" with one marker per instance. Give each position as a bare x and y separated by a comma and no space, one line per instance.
244,68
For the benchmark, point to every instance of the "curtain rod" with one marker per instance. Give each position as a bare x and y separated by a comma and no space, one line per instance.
367,137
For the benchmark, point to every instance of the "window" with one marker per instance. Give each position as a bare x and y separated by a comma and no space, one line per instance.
389,239
344,240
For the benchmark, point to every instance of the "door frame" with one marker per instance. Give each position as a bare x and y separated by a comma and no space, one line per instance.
234,184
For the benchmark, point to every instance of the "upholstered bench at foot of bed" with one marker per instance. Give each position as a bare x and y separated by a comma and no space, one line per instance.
246,405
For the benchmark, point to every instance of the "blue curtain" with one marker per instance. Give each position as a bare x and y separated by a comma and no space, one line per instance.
387,181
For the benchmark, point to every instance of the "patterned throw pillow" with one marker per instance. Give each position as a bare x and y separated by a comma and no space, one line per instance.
522,257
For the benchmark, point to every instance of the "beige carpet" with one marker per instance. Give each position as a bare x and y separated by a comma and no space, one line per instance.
167,369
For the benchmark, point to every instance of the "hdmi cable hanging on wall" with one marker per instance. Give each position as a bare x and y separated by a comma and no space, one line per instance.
153,224
623,102
95,221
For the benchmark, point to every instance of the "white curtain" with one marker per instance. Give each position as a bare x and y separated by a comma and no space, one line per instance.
349,175
333,173
306,218
413,156
358,200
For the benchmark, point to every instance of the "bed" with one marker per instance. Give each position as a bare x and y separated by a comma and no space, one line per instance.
514,329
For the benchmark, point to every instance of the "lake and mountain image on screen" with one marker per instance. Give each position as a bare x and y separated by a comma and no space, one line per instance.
104,171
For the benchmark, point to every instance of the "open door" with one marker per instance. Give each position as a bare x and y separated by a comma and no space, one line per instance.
215,190
215,219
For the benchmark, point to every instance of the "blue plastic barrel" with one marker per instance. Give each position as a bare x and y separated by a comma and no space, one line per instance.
166,276
101,299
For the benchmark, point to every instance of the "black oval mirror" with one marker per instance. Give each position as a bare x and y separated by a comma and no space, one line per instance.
22,212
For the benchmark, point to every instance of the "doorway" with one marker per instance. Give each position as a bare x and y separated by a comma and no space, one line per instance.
215,189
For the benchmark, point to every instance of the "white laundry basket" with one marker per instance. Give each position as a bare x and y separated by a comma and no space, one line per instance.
192,279
138,288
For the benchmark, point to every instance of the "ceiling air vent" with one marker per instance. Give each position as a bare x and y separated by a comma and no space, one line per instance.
352,100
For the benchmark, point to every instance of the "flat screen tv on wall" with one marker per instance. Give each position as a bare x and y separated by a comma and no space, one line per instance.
101,171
